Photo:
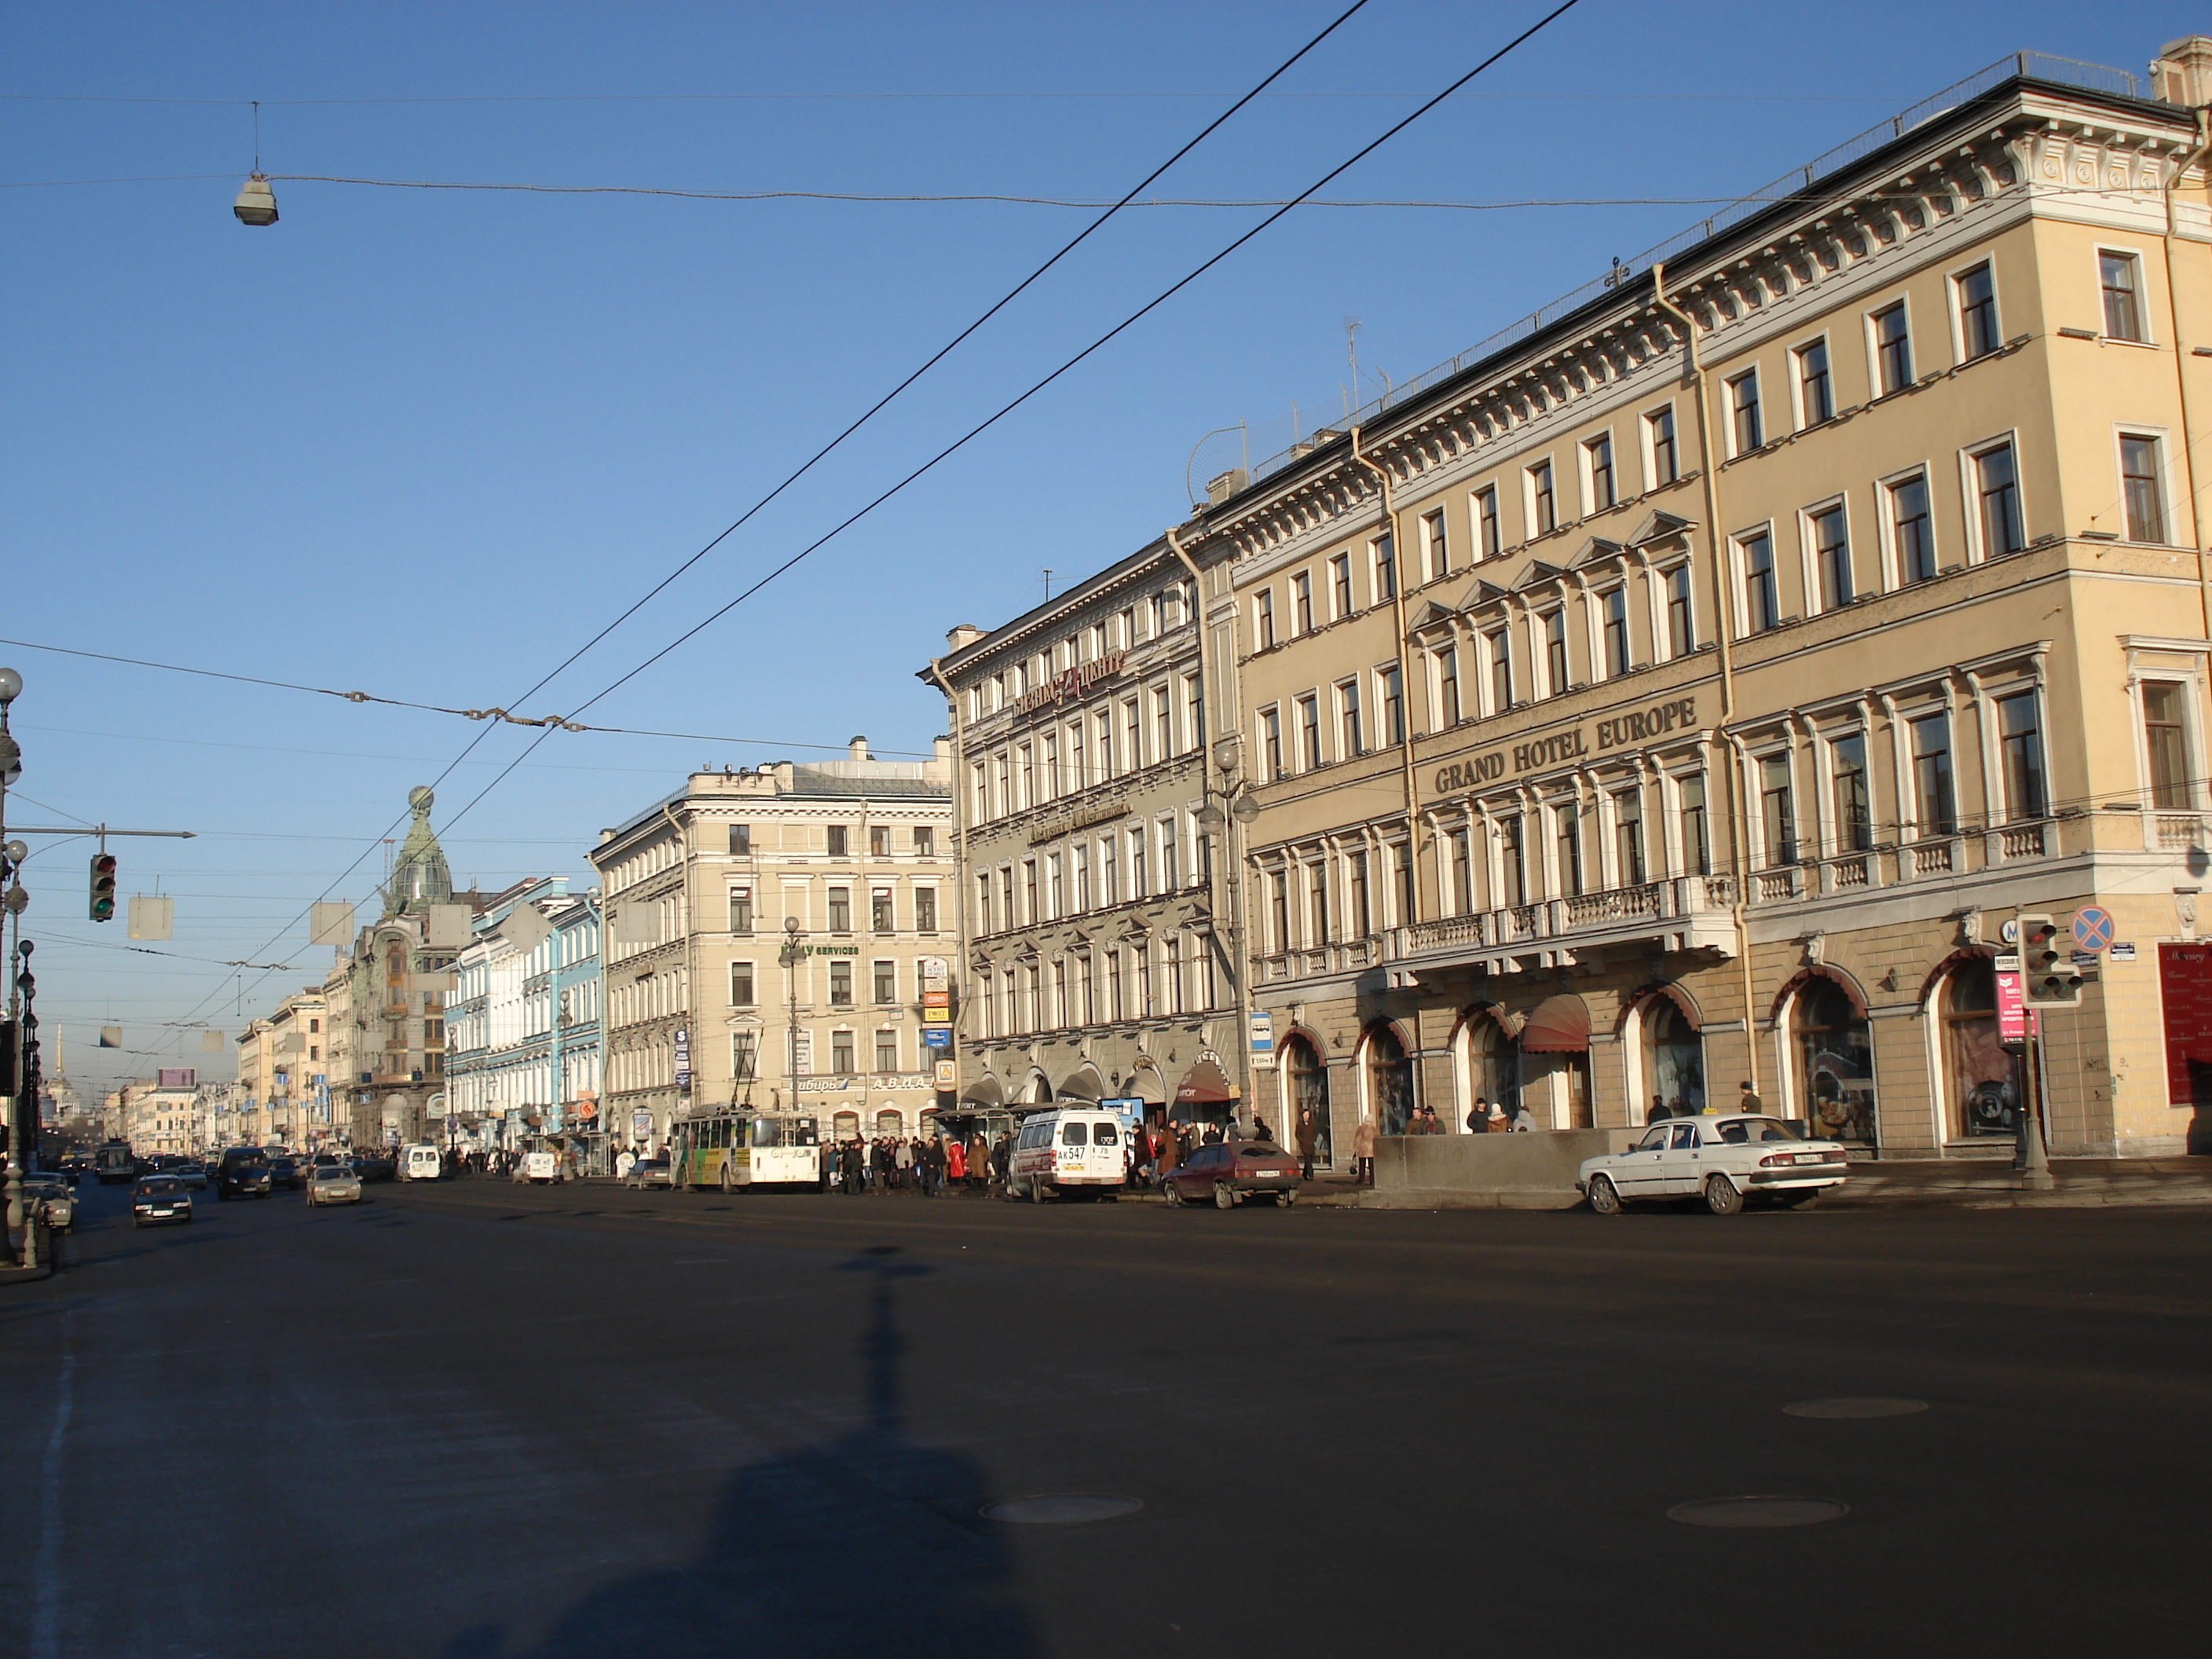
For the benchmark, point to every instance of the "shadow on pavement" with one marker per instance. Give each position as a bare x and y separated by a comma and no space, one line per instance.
870,1543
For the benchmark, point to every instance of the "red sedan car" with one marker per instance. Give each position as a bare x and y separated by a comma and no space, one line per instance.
1234,1172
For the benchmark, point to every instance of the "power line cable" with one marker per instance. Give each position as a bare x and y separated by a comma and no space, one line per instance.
1009,407
1008,298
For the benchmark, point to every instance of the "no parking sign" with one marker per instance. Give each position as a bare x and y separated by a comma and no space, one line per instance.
2092,928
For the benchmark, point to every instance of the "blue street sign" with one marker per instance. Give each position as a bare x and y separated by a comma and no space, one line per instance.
937,1036
2093,928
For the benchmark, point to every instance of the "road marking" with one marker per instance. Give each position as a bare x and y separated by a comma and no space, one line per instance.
46,1581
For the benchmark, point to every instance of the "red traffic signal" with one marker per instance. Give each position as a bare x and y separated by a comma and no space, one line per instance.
102,905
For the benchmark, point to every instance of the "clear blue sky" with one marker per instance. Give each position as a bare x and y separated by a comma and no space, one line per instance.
423,443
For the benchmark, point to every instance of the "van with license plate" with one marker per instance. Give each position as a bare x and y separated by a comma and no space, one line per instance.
421,1162
1069,1152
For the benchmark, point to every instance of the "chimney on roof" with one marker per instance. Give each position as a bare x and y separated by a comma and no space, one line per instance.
966,634
2182,73
858,749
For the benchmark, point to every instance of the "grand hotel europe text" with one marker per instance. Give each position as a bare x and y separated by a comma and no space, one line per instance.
1682,694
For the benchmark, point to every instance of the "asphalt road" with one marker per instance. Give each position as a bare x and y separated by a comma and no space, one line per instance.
472,1420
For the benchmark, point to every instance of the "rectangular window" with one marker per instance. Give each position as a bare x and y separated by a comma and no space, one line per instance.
887,1051
1832,556
885,977
1597,462
741,985
2020,749
1263,618
744,1055
1339,585
1078,771
1105,744
1977,311
2166,743
984,924
925,909
1194,712
1681,617
1816,391
1055,886
1435,551
1997,486
1778,815
1393,685
841,982
1029,796
841,1052
1031,911
1279,909
1554,625
879,840
1746,431
1659,433
1615,604
1489,540
1628,838
880,919
1447,702
1514,859
1911,532
1079,858
841,910
1933,808
1500,648
839,841
1893,348
1163,723
741,909
1543,500
1697,840
925,840
1402,866
1110,871
1848,777
1567,826
1139,886
1317,903
1302,610
2118,277
1271,744
2140,491
1310,732
1349,737
1462,872
741,840
1385,550
1358,911
1133,730
1762,603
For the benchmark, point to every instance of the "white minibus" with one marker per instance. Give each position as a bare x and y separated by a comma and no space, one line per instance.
1070,1150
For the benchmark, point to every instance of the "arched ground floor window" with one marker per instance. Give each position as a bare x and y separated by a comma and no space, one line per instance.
846,1125
1305,1089
1832,1050
1674,1060
1982,1081
1390,1074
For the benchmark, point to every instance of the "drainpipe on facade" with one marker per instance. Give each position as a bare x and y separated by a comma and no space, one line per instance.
1232,870
2188,455
960,965
1739,794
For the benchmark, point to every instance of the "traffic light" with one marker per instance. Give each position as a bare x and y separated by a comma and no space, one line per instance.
103,887
2049,978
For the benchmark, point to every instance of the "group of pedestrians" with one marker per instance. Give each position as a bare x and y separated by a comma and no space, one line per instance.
929,1165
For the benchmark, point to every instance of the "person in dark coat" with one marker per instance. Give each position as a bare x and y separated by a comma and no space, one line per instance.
1309,1140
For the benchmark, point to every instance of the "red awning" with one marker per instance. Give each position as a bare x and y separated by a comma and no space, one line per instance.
1204,1085
1558,1025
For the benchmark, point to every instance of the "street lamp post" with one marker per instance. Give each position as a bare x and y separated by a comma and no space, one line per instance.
1230,824
790,957
11,768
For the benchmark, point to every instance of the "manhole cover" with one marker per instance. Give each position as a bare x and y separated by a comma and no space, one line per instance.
1062,1509
1865,1405
1758,1512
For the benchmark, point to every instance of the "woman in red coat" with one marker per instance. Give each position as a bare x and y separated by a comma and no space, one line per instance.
956,1159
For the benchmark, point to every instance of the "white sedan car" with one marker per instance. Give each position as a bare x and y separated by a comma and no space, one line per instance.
1722,1159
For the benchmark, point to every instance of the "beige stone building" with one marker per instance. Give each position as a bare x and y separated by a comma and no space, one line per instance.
1687,686
846,864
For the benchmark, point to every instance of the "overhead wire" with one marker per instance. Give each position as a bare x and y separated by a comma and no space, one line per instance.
1005,300
1009,407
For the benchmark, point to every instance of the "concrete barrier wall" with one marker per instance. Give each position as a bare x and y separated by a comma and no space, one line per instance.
1539,1168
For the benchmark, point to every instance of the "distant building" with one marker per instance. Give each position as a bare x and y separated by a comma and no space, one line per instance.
845,865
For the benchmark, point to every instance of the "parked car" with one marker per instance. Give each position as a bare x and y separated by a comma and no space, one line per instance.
191,1173
1722,1160
648,1172
56,1204
243,1173
333,1183
284,1172
158,1199
370,1168
1068,1151
1233,1172
539,1167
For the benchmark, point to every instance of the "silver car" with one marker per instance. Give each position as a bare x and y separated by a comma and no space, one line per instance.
1722,1159
57,1204
333,1183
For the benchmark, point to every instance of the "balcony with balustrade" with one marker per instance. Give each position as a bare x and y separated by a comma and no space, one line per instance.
1679,912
